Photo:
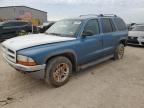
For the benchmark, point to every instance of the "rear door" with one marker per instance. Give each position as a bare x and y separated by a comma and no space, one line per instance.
90,44
108,36
122,31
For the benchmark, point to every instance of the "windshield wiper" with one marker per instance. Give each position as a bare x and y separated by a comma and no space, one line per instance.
62,35
56,34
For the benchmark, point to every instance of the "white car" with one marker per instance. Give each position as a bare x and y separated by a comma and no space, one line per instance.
136,35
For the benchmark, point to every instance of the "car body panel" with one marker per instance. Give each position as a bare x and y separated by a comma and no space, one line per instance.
23,42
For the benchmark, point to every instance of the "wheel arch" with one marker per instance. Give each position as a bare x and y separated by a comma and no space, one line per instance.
68,54
123,41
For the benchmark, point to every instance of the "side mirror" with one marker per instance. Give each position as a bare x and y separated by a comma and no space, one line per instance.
87,33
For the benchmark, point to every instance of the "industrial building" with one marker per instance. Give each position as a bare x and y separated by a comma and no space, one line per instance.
35,16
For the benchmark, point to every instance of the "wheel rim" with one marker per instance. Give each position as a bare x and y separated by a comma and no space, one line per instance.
121,52
61,72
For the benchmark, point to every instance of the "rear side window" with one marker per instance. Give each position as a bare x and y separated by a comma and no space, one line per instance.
92,26
106,24
120,24
11,24
16,24
8,24
19,23
24,23
113,26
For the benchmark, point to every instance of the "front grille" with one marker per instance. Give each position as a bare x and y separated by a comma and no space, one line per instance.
9,54
133,40
11,51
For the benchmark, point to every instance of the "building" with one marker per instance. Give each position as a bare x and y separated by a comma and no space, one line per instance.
36,16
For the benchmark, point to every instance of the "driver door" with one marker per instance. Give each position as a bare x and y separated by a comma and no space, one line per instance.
90,45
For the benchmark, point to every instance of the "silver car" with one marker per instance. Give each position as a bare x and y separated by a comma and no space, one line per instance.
136,35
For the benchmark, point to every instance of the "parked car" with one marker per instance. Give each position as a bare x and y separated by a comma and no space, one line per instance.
136,35
68,45
10,29
131,26
45,26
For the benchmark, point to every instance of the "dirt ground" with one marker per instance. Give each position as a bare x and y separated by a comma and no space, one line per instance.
112,84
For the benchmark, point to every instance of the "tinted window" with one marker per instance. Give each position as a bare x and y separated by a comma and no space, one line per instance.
8,24
19,23
113,26
120,24
11,24
23,23
106,24
92,26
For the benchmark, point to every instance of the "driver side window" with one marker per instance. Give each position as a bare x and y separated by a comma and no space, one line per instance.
91,28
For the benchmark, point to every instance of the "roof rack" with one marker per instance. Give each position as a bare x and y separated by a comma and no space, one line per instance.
100,15
89,15
107,15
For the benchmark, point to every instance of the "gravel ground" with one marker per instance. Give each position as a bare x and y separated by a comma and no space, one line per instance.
111,84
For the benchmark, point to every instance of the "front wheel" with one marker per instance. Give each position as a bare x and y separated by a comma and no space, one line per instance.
119,52
58,71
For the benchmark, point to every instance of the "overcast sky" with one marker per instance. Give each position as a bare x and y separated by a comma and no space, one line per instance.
130,10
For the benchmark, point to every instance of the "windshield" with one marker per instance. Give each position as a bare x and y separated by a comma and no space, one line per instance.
138,28
64,28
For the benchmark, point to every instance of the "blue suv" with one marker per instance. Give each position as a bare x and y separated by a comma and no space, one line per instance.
69,45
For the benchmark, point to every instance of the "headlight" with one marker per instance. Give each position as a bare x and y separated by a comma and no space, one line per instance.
27,61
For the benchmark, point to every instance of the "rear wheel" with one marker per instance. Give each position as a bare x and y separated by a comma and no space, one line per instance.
119,52
58,71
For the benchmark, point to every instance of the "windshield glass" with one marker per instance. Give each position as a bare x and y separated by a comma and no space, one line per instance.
64,28
138,28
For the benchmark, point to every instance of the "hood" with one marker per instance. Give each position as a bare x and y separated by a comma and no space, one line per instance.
22,42
136,33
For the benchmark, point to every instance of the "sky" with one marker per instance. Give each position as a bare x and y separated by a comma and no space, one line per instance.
129,10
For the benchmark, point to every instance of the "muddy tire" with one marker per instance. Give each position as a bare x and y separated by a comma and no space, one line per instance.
58,71
119,52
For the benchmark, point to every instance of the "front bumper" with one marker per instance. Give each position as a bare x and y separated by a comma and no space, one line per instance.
34,71
135,41
25,68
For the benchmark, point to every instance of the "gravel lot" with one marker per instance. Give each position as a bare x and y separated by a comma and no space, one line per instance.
112,84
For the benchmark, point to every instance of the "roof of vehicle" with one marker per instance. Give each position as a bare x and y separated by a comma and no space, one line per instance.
90,16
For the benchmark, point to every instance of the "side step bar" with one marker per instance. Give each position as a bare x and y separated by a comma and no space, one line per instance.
96,62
